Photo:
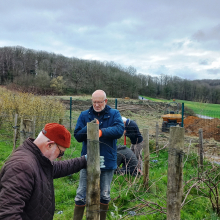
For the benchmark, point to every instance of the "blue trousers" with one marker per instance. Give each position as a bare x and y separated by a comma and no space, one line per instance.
105,186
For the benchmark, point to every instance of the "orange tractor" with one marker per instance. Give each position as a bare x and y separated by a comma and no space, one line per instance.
171,118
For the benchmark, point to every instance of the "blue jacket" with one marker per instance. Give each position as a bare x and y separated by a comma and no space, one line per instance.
112,127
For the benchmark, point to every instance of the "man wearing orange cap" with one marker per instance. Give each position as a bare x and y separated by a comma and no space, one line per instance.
26,179
111,128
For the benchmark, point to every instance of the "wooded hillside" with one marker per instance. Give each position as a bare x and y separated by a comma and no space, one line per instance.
42,72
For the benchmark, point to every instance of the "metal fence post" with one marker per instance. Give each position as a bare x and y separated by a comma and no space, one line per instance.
157,133
182,124
70,113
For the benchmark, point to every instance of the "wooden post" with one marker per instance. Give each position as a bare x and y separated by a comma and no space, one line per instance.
26,129
157,133
15,131
34,126
175,173
93,172
146,156
60,121
201,146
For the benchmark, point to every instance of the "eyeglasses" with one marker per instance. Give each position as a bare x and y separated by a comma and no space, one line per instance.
99,103
61,152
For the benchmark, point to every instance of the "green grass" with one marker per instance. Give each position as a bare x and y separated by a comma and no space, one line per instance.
128,192
207,109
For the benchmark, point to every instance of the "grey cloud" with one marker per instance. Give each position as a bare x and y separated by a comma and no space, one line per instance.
208,34
153,36
213,71
204,62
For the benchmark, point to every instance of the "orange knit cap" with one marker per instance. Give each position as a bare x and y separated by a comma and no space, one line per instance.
57,133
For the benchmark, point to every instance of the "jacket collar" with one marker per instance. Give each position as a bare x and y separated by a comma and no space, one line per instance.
105,112
29,144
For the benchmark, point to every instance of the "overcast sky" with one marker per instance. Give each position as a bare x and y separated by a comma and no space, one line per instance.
178,38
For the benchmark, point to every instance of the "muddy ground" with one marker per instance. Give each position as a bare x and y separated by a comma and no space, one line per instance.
147,114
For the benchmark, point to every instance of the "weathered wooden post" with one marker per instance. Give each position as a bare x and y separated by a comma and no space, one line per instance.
60,121
34,126
157,133
15,131
201,146
26,129
93,172
200,152
146,156
175,173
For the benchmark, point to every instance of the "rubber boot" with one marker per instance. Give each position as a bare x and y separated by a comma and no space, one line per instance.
103,211
78,212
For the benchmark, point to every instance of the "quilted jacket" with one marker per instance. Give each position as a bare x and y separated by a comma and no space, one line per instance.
112,127
26,183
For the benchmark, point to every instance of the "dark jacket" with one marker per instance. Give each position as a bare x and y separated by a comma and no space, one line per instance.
26,183
126,157
112,127
132,131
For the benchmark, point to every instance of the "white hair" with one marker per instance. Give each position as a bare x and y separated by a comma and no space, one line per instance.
99,91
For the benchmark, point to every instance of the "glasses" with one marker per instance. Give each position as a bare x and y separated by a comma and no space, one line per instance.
99,103
61,152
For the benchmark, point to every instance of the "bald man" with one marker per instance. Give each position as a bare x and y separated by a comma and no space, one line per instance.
111,128
26,179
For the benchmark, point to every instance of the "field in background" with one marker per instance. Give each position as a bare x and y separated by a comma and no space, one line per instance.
207,109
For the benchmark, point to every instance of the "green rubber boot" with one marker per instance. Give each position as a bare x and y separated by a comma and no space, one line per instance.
78,212
103,211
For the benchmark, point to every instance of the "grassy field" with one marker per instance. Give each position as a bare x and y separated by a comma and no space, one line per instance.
129,198
206,109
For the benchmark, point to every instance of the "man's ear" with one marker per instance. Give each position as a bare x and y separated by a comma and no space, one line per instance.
48,145
106,100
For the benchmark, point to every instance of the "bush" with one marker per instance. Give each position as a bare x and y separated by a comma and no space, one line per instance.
27,105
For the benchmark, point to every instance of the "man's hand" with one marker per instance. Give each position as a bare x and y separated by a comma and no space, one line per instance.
97,121
100,133
102,160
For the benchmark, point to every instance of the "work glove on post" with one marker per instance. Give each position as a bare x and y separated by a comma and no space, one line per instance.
102,160
100,131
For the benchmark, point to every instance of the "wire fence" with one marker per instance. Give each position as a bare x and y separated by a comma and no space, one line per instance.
159,142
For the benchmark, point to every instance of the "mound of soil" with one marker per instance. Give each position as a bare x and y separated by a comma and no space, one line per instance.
210,127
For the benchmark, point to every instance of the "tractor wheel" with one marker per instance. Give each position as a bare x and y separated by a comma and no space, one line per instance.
164,126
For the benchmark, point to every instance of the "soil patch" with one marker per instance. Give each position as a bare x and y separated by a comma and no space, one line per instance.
210,127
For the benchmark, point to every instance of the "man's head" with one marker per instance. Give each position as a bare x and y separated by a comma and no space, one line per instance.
53,140
99,100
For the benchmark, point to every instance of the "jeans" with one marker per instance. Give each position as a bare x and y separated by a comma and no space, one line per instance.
105,183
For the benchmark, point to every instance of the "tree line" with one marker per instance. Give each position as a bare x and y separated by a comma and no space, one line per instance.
42,72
